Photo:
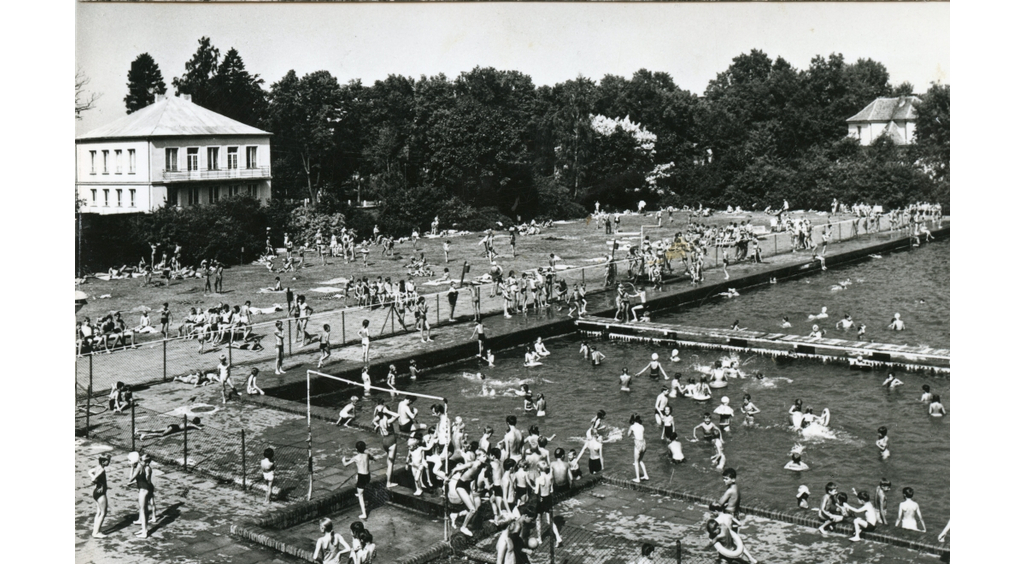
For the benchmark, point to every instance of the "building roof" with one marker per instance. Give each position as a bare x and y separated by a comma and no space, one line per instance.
171,117
889,109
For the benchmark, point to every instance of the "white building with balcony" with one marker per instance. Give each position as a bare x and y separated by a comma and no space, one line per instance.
895,117
170,152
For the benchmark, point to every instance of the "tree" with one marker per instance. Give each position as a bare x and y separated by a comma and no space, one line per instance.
199,72
302,115
932,138
84,101
144,82
235,93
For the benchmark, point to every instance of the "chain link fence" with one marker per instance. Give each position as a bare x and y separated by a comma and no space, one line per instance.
228,455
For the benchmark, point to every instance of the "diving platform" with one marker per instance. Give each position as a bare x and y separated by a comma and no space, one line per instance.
856,354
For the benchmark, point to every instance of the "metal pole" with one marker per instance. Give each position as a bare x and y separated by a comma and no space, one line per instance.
231,341
392,318
165,359
775,239
184,458
437,309
342,327
289,337
133,424
679,552
552,543
309,439
583,272
88,400
243,459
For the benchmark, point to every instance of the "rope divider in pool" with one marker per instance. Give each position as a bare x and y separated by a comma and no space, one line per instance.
827,359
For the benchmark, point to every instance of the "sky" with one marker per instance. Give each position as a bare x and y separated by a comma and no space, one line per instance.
549,42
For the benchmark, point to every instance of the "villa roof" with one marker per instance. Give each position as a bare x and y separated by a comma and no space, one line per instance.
888,109
170,117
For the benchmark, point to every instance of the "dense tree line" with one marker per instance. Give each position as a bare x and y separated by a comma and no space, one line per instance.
490,144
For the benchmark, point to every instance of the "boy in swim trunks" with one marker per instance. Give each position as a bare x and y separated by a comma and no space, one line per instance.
594,448
362,461
870,519
348,413
828,511
910,512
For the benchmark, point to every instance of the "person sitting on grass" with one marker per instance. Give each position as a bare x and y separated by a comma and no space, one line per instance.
171,429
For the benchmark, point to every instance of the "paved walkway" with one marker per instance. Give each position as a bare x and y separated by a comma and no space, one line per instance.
194,513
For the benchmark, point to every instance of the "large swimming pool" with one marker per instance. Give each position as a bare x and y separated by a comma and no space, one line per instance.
845,453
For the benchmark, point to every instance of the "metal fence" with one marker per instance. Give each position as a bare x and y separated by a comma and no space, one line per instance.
228,455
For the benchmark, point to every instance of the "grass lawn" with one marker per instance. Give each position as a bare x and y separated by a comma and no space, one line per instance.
575,242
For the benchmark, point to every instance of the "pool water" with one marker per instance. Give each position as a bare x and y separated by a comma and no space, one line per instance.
914,284
845,453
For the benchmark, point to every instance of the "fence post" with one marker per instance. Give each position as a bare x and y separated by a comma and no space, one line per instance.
551,542
133,424
165,359
679,552
243,459
184,457
437,309
231,340
343,327
88,399
289,337
583,272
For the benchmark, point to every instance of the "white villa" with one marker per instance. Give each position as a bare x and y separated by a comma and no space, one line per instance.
895,117
172,151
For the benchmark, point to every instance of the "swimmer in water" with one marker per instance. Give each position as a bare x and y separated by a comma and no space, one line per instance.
795,464
936,409
749,411
718,459
539,348
718,377
531,358
596,357
675,356
926,397
654,367
624,380
861,331
897,324
707,428
891,382
525,393
796,415
675,388
846,323
910,512
585,350
703,390
816,332
822,315
725,414
883,442
736,325
803,493
489,358
785,322
541,405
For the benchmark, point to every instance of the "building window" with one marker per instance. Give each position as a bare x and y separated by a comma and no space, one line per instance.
171,160
233,190
106,197
118,197
106,154
131,197
250,157
192,158
213,194
94,196
117,161
858,132
253,190
131,161
212,153
193,196
232,158
92,163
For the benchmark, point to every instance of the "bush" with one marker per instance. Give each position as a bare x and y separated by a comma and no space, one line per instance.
306,221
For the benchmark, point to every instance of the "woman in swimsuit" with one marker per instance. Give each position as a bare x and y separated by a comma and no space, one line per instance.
935,408
749,411
98,476
331,546
636,429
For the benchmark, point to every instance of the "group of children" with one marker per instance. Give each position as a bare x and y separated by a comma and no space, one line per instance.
835,508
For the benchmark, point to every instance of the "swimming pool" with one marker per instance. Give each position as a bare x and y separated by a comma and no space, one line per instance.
914,284
846,454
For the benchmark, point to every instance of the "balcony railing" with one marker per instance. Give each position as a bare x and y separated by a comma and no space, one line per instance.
221,174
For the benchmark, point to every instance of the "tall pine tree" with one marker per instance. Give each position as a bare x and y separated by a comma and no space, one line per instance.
144,82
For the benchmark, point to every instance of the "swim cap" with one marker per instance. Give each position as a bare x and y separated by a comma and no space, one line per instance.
133,457
654,356
896,315
802,491
675,352
725,400
354,398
